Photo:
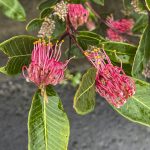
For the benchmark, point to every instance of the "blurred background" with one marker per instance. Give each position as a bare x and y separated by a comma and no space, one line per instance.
103,129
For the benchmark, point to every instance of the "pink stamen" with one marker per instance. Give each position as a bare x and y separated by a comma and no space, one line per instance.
45,67
111,81
119,27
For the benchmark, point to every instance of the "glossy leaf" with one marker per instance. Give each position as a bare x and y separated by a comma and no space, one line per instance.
120,52
117,51
18,49
142,55
34,24
59,28
48,125
100,2
46,12
47,4
91,34
137,108
85,41
84,100
148,4
13,9
74,51
78,1
86,38
140,24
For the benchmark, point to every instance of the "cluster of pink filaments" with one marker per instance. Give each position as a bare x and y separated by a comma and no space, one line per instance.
118,27
111,81
45,67
77,15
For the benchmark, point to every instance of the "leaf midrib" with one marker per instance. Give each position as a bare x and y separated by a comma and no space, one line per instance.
45,123
19,56
8,6
86,90
117,52
140,102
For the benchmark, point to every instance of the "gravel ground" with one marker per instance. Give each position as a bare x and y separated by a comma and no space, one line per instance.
103,129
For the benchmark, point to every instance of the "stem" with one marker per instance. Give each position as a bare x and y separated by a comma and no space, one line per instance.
63,36
148,11
69,47
75,42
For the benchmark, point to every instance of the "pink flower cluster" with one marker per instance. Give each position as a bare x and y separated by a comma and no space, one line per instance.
119,27
111,81
77,15
45,67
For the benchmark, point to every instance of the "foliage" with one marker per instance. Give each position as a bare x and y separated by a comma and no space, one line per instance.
48,124
84,100
13,9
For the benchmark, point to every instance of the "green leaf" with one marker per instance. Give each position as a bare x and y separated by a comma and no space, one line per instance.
74,51
59,28
116,50
13,9
46,4
78,1
46,12
148,4
120,51
100,2
85,41
126,67
18,49
48,125
91,34
86,38
84,100
140,24
142,55
34,24
137,108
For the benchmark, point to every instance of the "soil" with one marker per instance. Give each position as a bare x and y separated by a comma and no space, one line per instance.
103,129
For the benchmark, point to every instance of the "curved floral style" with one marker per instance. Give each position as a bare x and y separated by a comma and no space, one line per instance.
111,81
45,67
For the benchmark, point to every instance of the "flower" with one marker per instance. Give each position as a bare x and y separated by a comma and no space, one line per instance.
45,67
47,28
77,15
146,71
61,10
119,27
112,35
111,81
